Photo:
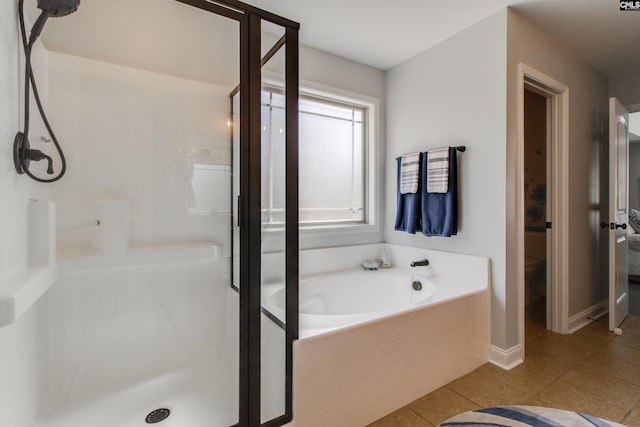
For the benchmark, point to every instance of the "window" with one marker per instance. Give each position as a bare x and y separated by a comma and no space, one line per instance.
334,160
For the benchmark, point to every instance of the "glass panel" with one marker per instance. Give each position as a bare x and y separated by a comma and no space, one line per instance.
621,176
273,143
143,316
330,135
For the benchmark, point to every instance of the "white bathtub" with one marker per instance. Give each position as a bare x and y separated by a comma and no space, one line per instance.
369,343
335,300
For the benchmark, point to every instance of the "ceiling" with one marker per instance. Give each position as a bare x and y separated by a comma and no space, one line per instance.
383,33
169,37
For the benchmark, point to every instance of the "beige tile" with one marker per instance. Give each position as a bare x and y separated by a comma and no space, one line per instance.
630,338
631,321
603,385
441,405
633,418
485,390
621,352
566,347
598,332
615,367
529,377
544,362
561,395
404,417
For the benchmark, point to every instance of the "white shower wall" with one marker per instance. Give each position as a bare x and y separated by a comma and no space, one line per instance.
23,345
132,138
145,292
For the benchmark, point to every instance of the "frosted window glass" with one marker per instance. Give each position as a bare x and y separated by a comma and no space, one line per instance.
331,158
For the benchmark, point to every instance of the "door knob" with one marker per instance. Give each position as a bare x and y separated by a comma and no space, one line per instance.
604,225
623,226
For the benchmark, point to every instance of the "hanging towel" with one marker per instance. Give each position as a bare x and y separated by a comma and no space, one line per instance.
410,173
440,210
438,173
408,207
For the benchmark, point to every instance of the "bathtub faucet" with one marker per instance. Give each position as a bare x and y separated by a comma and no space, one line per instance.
422,263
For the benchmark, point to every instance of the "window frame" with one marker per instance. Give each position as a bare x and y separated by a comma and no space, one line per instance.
369,230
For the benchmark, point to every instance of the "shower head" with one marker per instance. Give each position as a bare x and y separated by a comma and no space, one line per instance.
51,8
58,8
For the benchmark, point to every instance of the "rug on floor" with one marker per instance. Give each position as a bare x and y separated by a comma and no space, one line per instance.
523,416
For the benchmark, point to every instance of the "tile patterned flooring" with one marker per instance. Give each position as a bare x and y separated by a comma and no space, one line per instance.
591,371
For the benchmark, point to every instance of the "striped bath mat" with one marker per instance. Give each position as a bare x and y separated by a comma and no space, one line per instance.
525,416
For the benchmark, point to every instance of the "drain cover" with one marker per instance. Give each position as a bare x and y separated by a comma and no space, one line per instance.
157,415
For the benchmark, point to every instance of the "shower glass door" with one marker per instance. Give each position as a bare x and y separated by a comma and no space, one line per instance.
175,216
274,173
144,323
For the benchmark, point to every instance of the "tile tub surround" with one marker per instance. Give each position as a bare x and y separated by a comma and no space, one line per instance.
355,375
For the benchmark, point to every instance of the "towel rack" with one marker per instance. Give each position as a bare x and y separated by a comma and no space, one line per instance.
460,148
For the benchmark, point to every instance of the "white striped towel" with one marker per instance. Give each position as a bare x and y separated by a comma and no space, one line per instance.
438,170
409,173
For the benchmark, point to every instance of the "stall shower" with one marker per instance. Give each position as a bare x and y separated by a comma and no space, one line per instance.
128,282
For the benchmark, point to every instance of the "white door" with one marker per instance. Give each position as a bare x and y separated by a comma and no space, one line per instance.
618,212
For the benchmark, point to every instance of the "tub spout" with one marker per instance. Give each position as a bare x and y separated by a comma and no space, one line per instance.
422,263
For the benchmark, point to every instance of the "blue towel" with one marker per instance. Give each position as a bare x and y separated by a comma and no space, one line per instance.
440,210
408,209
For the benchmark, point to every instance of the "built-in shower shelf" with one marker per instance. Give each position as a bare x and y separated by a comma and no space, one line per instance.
24,289
21,291
138,255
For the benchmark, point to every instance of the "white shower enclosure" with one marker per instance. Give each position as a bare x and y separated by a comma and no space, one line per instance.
147,320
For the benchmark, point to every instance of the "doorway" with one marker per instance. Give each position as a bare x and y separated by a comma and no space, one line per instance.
553,236
537,208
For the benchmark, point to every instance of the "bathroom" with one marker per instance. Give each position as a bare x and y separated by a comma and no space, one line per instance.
145,246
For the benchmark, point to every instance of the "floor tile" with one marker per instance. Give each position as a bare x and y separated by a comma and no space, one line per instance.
404,417
612,366
597,331
544,362
441,405
621,352
568,347
630,338
529,377
603,385
633,418
486,390
631,321
561,395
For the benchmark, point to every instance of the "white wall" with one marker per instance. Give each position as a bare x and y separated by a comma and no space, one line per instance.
587,145
626,88
454,94
23,345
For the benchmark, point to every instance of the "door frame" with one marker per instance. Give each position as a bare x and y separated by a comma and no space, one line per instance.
558,290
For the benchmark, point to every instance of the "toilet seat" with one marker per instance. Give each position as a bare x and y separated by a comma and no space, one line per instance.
531,264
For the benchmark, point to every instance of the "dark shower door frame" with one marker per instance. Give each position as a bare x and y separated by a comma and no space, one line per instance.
249,203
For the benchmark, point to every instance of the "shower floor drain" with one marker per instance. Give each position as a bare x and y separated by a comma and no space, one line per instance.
157,415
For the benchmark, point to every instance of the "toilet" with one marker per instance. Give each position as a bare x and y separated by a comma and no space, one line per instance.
532,271
535,266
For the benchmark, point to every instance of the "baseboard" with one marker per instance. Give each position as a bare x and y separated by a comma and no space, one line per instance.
506,359
585,317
